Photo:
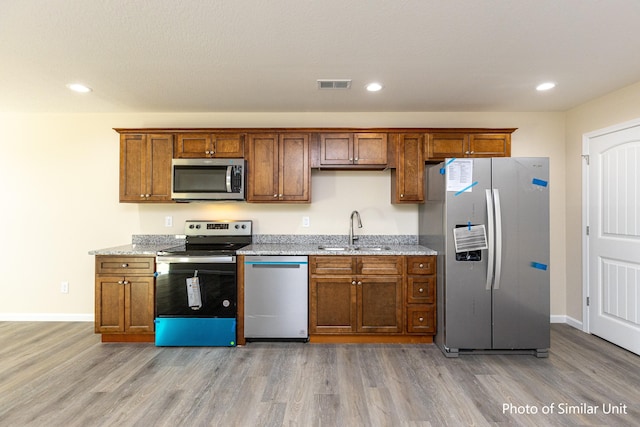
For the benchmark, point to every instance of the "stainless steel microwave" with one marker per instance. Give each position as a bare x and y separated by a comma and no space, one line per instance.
207,179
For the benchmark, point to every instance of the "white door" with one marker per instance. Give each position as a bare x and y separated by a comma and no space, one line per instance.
613,243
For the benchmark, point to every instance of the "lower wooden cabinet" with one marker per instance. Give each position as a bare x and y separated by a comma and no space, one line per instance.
124,298
421,294
375,296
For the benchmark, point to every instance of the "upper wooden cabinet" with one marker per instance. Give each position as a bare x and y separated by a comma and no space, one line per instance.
202,145
444,145
278,168
357,150
407,180
145,167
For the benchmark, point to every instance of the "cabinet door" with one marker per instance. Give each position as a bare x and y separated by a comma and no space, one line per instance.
370,149
443,145
145,167
332,302
263,165
490,145
109,304
294,171
229,145
336,149
132,167
408,178
379,304
158,164
193,145
139,305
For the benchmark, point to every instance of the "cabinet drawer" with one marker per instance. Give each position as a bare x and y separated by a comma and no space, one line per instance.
332,265
421,264
421,319
380,265
421,290
125,265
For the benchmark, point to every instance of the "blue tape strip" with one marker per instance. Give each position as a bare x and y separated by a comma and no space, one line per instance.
540,182
443,169
469,225
539,266
466,188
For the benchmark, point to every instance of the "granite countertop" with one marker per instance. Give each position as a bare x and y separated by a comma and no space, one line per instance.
313,249
132,249
150,245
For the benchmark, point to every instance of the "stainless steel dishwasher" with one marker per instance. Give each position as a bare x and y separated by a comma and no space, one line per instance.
276,297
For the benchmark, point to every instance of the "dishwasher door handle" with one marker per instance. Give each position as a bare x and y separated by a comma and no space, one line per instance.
275,264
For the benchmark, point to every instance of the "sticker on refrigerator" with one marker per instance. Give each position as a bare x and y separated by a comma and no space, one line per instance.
470,238
460,175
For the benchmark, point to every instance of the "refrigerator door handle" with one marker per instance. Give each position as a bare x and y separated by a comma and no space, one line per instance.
490,239
498,243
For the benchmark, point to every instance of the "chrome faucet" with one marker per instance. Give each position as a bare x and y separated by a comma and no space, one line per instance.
352,238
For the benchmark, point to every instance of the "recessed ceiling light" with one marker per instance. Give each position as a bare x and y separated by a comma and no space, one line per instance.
374,87
79,87
545,86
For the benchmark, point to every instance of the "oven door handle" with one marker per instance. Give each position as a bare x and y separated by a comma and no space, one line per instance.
196,259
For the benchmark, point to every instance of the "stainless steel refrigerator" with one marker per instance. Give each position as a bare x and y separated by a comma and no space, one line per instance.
489,221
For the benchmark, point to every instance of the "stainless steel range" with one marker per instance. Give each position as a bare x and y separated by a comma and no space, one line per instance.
196,293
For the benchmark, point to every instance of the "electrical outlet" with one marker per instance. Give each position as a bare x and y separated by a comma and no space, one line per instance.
64,287
305,221
168,221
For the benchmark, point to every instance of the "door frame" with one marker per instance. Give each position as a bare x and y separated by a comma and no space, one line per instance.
585,209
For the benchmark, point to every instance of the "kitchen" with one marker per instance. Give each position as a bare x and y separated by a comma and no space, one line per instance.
63,167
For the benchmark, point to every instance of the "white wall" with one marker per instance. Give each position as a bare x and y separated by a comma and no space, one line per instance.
61,195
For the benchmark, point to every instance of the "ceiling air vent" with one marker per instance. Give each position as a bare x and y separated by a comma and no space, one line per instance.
334,84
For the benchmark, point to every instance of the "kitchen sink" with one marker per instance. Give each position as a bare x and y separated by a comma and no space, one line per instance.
354,248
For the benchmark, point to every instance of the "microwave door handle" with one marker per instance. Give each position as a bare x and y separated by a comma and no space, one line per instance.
229,170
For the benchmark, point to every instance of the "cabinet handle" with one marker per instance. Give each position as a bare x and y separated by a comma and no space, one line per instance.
126,282
351,159
275,195
421,266
421,319
359,282
120,282
472,152
125,265
279,195
353,283
142,196
466,152
146,196
421,290
401,196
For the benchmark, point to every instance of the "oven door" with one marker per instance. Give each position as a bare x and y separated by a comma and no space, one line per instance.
185,317
213,294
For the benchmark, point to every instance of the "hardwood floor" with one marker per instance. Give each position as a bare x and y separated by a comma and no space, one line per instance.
59,374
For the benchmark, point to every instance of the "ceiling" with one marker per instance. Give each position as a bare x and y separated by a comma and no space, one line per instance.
266,55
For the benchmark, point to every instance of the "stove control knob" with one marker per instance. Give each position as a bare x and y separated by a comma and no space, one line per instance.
191,226
198,226
237,226
244,226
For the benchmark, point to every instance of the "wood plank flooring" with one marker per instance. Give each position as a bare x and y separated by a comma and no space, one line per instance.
59,374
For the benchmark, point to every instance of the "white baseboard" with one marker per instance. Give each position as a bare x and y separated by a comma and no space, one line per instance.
561,318
46,317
